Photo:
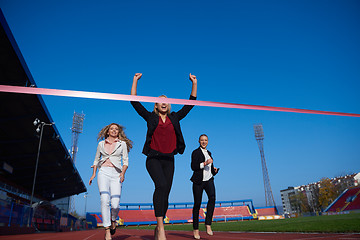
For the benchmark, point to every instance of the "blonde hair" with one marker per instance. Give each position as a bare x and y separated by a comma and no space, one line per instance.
104,133
169,106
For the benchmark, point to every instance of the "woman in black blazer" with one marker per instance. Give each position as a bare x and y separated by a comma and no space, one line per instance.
164,139
203,179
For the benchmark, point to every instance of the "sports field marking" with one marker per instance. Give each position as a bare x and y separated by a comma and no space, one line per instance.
90,236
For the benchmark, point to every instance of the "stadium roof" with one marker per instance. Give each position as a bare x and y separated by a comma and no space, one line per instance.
57,177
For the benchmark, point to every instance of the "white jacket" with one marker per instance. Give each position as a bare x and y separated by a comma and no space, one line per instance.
119,153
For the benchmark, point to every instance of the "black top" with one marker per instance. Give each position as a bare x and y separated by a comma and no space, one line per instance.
198,157
152,120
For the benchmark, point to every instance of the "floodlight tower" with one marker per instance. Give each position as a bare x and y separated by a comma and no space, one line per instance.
259,136
77,128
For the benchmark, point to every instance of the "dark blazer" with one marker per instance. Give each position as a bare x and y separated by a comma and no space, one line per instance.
152,120
198,157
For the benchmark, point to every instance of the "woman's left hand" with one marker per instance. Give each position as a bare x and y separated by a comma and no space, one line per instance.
192,78
91,179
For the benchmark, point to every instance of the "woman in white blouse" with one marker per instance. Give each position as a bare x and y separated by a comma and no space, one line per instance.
202,164
112,161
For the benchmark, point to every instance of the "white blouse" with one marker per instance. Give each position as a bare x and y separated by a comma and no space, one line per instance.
207,169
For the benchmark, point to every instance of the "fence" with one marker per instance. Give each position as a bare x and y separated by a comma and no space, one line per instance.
14,214
143,213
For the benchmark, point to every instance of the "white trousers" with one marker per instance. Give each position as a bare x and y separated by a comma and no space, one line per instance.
110,192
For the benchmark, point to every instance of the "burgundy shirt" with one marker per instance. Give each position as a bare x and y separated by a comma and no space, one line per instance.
164,138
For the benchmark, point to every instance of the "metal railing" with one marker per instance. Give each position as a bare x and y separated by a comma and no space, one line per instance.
234,217
14,214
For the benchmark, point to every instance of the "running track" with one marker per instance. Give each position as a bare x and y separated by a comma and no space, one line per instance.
133,234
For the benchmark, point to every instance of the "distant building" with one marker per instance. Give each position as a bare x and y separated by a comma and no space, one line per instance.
286,198
311,192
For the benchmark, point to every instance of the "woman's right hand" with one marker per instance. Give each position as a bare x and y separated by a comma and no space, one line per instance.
209,161
137,76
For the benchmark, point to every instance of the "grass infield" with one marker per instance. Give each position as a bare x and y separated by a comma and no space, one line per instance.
325,224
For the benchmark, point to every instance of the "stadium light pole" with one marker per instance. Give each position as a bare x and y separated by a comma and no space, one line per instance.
77,128
259,136
40,128
85,196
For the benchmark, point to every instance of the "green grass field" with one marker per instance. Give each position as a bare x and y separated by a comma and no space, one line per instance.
329,224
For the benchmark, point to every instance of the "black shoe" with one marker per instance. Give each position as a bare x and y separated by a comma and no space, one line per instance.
112,230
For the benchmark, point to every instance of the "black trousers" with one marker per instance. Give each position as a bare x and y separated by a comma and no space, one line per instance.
161,170
209,188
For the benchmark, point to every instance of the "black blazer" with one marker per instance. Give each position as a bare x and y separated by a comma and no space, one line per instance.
152,120
198,157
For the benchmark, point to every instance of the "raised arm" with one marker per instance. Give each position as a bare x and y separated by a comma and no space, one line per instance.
139,108
194,85
186,108
134,84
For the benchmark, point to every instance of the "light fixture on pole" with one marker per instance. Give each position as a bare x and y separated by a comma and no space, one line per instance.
40,126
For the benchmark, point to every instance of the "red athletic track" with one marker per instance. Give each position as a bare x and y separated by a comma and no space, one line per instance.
130,234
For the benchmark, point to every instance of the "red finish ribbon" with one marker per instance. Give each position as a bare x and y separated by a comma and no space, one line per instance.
123,97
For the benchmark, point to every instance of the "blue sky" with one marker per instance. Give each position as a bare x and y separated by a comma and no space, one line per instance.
300,54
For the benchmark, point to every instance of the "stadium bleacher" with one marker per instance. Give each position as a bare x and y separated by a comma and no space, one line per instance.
349,200
56,174
232,213
181,215
353,202
266,211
